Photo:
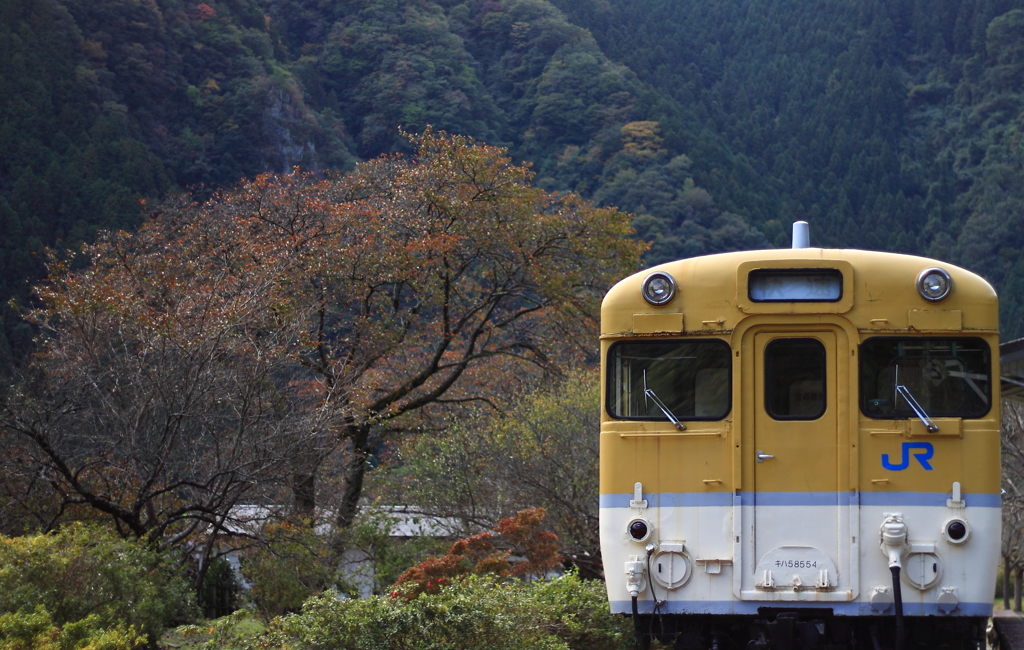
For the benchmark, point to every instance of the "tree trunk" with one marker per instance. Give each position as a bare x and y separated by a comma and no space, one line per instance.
1018,578
1006,582
203,565
355,472
304,493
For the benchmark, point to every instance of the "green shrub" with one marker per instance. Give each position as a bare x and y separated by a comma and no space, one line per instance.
82,571
578,611
294,564
36,631
219,595
388,558
476,612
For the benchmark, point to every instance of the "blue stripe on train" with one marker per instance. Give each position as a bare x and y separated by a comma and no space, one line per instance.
707,499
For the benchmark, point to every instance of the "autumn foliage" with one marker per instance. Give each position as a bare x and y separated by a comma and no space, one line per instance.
521,536
205,11
220,353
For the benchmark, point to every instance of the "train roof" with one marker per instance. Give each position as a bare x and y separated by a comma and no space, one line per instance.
878,287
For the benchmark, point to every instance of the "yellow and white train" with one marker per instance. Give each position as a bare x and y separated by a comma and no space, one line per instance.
800,449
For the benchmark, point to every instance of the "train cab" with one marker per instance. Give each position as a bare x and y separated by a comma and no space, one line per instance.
801,446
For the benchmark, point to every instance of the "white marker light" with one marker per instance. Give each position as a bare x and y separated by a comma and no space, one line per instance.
658,288
934,284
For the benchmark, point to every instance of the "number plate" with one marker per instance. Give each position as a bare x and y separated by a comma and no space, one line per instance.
796,567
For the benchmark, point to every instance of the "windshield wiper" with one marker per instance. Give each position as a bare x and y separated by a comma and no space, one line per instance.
649,392
918,411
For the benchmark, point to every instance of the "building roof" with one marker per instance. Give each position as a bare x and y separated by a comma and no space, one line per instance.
402,521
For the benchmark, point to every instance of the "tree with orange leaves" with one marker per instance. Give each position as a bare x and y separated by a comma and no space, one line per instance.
160,399
455,271
522,535
226,347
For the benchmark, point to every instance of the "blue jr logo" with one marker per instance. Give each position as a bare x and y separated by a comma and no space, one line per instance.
922,456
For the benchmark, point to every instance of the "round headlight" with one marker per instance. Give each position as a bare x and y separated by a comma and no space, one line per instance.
658,288
934,284
638,529
956,531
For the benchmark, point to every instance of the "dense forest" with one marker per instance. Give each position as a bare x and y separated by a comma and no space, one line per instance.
886,125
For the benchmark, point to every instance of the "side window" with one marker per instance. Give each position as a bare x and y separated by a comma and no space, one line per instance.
948,377
794,382
689,378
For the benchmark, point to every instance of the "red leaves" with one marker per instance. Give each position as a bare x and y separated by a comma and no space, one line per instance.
540,547
535,551
205,12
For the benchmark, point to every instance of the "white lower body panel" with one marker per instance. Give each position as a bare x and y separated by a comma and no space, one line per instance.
729,546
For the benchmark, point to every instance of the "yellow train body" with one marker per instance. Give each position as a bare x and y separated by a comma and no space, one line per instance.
796,441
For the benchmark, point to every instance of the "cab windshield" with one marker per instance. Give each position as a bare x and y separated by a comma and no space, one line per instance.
690,379
948,377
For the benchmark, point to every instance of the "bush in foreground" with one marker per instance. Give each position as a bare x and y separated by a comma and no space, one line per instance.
474,612
37,631
82,572
294,564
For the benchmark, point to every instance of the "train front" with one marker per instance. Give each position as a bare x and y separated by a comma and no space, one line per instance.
799,448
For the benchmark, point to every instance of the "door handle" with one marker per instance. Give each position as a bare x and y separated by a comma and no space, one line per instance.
761,456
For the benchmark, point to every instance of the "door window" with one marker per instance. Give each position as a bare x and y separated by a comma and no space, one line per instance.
794,383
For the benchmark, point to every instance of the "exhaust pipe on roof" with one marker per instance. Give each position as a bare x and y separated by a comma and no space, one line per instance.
801,235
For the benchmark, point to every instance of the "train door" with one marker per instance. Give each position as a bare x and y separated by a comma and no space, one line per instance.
798,512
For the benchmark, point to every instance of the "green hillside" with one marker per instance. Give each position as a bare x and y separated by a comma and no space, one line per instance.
891,126
886,125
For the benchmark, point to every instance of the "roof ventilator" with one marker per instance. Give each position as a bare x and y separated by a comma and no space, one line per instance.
801,235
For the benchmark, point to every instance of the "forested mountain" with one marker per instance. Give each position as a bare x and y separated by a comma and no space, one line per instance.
887,125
